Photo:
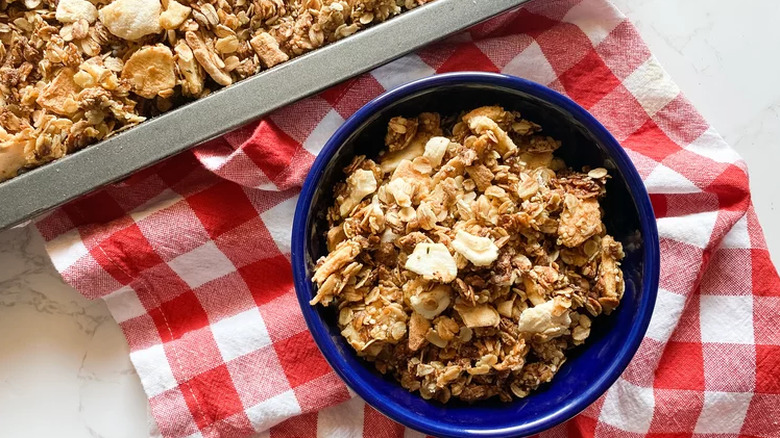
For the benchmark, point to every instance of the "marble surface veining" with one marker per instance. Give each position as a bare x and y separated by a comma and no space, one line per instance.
64,369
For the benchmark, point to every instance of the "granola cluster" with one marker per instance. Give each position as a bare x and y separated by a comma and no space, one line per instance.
467,259
73,72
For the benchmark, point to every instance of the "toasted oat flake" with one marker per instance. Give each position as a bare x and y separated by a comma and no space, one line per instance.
467,259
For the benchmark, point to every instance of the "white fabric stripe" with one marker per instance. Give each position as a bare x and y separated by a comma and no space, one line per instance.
723,412
160,202
66,249
342,421
668,308
628,407
694,229
154,370
273,411
278,221
201,265
652,86
124,304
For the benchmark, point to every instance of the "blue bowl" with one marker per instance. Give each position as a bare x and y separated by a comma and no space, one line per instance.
591,368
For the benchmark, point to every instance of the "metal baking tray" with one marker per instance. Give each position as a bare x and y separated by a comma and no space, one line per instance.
53,184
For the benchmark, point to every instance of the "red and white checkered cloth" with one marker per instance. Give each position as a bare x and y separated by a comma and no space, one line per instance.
192,255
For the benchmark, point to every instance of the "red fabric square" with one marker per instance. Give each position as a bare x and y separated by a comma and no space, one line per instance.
678,435
236,138
88,276
258,376
564,45
159,284
768,369
532,24
178,316
553,10
247,243
668,405
651,141
172,414
54,224
299,119
270,148
300,359
736,361
95,208
437,54
679,281
354,94
765,279
604,430
222,207
136,190
283,317
681,367
378,426
640,370
682,204
301,426
581,426
194,353
140,332
468,58
613,50
207,405
179,220
237,425
732,189
766,320
179,170
620,112
762,416
268,279
689,326
126,254
680,121
589,80
502,50
224,297
722,279
319,393
660,204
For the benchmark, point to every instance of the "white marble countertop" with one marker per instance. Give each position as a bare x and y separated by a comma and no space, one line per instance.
64,369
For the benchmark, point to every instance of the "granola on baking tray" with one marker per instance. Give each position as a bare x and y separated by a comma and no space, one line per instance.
468,259
73,72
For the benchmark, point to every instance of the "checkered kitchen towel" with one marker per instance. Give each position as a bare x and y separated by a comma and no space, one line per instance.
192,255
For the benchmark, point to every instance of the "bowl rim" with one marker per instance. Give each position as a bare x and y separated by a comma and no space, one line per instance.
636,189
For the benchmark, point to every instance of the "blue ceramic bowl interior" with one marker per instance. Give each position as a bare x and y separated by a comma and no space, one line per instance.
614,339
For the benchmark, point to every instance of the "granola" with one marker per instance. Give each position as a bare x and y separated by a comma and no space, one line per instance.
467,259
73,72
